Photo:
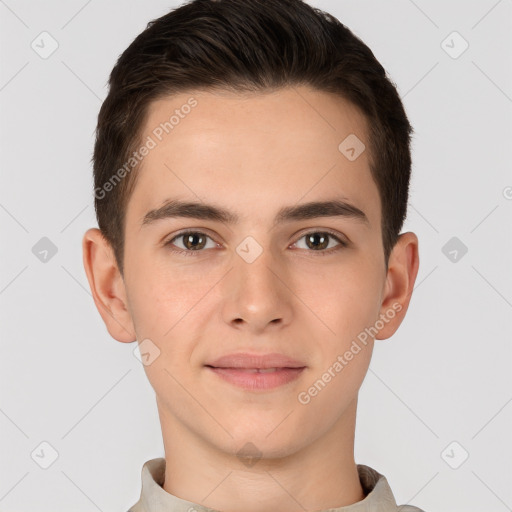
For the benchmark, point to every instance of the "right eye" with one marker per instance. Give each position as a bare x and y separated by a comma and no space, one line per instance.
192,241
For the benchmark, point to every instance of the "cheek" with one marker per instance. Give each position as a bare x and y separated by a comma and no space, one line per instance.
163,309
166,301
151,286
345,298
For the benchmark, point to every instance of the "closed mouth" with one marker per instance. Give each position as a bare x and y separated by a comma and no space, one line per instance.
255,370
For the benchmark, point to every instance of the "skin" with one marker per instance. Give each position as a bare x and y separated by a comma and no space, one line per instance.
254,154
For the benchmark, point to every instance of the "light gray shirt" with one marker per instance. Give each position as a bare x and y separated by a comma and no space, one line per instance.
153,498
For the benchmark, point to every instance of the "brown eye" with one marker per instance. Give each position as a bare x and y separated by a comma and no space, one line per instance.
321,242
317,241
193,241
190,241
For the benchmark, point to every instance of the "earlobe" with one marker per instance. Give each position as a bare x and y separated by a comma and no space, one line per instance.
107,286
402,271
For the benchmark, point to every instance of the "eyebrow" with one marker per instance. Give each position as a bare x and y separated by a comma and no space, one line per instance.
174,208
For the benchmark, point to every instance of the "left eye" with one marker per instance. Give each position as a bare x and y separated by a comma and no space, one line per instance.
319,240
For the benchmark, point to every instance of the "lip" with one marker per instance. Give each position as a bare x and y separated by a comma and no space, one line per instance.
253,380
258,361
255,371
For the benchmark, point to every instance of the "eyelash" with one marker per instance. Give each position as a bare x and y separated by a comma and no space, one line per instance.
342,243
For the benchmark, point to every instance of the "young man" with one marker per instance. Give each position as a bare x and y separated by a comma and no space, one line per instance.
251,169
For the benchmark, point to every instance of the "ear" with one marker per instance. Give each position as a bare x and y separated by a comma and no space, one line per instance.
107,285
402,271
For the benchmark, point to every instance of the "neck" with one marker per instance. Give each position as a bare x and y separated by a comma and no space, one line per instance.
318,476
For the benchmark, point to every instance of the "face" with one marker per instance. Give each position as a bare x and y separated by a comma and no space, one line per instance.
273,275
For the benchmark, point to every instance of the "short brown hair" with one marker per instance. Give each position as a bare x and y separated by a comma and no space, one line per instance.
246,46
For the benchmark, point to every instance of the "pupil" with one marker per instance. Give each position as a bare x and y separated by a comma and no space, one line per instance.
321,244
191,238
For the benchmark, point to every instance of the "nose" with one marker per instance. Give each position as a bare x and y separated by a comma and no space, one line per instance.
257,297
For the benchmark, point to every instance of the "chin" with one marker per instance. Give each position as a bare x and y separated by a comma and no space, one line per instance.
268,443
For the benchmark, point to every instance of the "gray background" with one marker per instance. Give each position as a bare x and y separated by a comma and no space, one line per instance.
446,374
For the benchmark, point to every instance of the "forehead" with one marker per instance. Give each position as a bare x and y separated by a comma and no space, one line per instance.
253,149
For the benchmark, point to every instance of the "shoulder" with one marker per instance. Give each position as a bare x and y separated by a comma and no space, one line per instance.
137,507
378,492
